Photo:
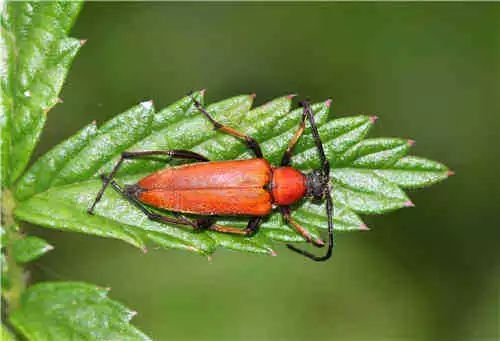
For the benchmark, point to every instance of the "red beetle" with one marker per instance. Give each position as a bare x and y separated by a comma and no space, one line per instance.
227,188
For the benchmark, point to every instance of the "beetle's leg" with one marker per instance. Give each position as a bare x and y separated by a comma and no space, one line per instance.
198,224
325,167
325,164
285,160
151,215
285,212
176,153
250,230
251,143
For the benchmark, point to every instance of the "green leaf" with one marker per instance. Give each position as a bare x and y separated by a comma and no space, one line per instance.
367,174
72,311
29,248
35,56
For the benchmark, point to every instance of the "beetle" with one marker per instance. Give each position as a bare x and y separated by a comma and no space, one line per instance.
249,187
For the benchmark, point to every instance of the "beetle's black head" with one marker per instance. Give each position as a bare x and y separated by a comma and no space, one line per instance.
317,183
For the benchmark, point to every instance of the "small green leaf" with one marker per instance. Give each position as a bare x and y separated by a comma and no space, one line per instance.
35,56
29,248
367,174
72,311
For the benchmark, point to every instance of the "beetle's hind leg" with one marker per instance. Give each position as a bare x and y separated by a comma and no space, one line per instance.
250,230
128,193
198,225
251,142
208,223
175,153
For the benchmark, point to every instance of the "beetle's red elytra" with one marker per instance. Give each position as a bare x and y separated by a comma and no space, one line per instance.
250,187
211,188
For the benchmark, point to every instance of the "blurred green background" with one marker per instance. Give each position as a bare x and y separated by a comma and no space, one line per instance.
430,71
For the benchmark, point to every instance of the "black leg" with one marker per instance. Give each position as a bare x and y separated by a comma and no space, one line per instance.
251,143
325,168
325,164
177,153
250,230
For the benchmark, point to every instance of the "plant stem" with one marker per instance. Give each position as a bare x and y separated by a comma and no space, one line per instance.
15,275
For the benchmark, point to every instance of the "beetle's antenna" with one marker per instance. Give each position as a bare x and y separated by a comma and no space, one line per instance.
325,167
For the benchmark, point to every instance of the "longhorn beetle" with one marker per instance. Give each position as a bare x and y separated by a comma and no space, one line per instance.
248,187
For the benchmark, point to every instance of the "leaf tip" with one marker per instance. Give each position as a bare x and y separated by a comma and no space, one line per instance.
373,119
328,103
411,142
59,100
147,104
364,227
144,250
450,173
210,259
202,92
409,203
291,96
272,253
83,42
253,95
